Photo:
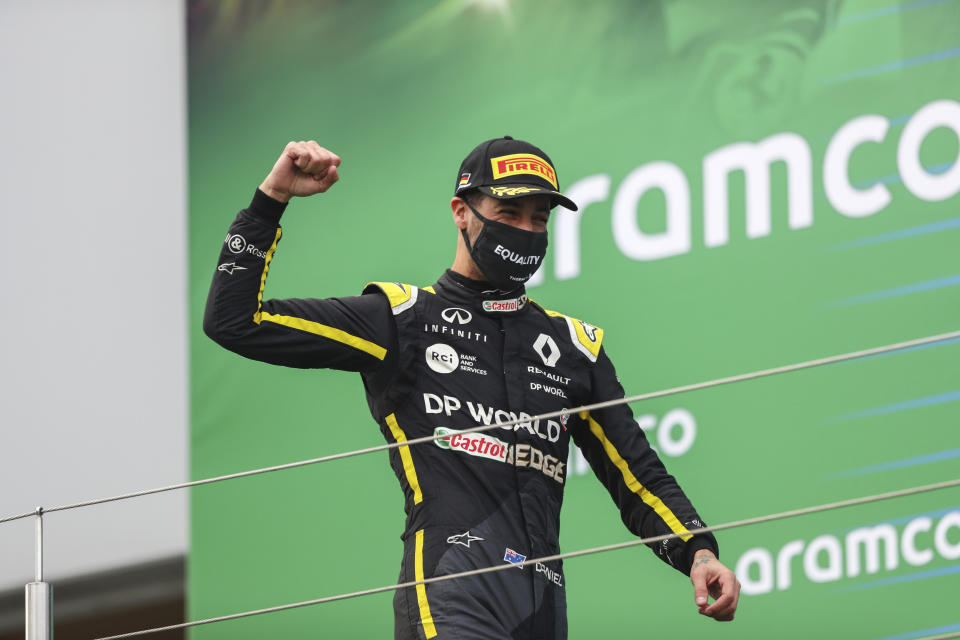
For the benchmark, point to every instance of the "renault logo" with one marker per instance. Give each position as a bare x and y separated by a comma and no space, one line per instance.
461,316
547,349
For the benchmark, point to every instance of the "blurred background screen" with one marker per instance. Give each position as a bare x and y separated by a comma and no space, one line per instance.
759,183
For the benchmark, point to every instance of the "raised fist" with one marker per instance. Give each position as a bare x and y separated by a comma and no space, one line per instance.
303,169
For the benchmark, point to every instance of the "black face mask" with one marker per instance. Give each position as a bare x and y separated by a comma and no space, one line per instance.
506,256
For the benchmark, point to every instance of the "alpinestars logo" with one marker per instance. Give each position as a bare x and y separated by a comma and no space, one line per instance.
456,314
464,538
547,349
230,267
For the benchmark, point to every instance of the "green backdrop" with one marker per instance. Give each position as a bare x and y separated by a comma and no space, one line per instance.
765,183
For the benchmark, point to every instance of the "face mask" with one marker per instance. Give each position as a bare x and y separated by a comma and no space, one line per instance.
506,256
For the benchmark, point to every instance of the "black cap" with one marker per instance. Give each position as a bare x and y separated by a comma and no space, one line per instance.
505,168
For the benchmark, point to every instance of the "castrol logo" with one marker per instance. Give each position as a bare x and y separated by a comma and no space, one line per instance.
474,444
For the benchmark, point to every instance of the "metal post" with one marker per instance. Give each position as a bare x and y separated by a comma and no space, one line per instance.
39,595
38,571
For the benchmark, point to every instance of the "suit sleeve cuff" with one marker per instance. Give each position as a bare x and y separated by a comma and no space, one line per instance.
696,544
266,208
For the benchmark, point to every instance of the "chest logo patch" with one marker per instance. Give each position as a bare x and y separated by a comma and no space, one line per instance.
510,304
456,314
547,349
442,358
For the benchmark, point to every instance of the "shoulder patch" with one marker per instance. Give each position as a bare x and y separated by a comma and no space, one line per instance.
401,296
585,337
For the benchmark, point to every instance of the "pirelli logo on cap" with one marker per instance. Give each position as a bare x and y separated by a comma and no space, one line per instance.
519,163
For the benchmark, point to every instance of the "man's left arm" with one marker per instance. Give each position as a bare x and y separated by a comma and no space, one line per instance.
650,500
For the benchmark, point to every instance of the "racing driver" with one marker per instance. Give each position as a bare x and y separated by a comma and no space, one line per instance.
471,349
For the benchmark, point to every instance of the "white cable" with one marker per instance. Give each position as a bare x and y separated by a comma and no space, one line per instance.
560,556
18,516
553,414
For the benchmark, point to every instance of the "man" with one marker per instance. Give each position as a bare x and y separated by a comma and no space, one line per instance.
471,349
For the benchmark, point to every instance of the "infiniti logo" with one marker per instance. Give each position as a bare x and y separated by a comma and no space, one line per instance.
462,316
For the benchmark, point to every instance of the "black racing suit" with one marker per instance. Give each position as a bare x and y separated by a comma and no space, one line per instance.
447,357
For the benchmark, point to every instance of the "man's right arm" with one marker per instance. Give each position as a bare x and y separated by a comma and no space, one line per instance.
355,333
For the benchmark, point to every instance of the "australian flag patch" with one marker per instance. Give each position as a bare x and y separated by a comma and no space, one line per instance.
513,557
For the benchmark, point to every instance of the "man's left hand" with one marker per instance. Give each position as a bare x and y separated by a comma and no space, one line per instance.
710,577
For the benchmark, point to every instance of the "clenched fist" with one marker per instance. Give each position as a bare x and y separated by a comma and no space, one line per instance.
303,169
